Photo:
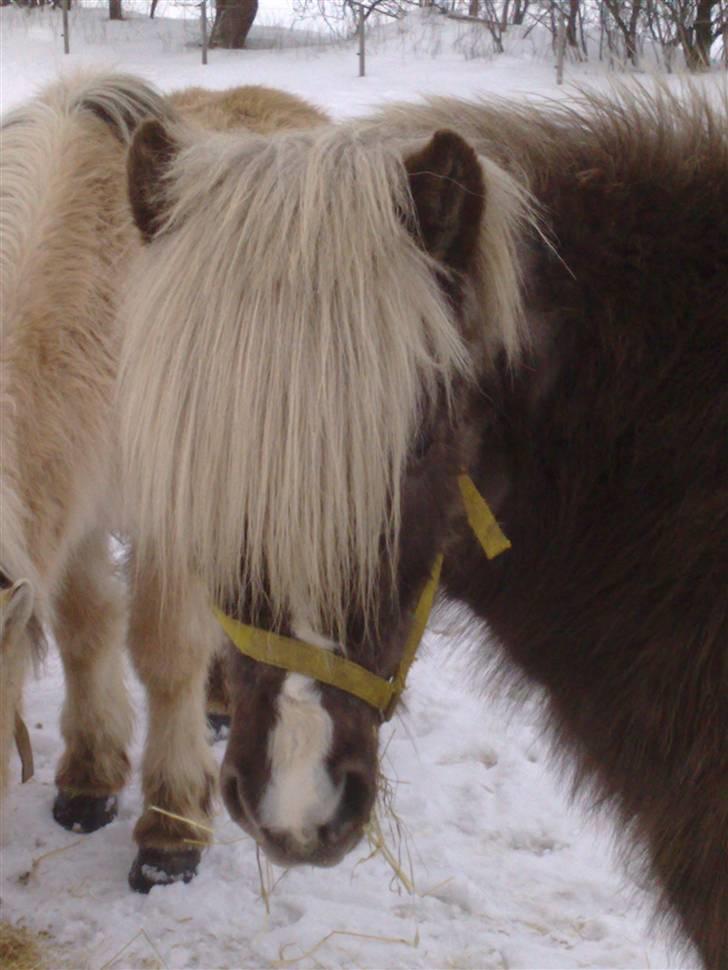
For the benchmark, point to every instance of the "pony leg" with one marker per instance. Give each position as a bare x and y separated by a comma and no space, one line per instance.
15,652
171,643
97,719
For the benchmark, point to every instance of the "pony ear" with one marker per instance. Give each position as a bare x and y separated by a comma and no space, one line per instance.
448,190
16,607
150,155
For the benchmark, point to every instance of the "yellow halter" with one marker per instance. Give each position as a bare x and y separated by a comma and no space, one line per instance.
299,657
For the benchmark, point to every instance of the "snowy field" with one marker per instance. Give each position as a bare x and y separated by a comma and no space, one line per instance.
505,873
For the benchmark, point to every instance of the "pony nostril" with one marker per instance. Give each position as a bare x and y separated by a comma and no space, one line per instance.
356,800
351,813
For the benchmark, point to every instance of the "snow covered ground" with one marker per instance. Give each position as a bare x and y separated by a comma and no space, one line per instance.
425,55
506,874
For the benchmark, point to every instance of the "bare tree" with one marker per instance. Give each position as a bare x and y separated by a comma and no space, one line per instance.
697,27
625,14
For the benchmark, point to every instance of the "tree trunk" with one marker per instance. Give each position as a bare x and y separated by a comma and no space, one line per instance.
233,20
519,12
115,11
632,40
571,23
703,33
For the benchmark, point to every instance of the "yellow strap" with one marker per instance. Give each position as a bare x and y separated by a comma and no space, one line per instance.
5,595
304,658
481,519
299,657
417,631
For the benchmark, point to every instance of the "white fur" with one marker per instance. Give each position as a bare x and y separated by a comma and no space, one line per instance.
300,795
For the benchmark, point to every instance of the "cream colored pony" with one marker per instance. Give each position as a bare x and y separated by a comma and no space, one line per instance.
67,237
65,240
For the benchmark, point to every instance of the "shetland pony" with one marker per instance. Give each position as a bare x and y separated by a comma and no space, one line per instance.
67,237
328,326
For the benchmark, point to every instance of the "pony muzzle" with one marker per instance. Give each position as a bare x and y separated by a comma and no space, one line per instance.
321,841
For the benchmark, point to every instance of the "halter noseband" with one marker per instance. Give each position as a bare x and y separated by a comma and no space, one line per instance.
299,657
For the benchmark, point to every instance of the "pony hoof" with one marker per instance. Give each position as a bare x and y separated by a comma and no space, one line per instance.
84,813
153,867
219,724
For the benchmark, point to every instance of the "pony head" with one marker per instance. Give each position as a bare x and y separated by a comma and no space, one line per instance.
302,346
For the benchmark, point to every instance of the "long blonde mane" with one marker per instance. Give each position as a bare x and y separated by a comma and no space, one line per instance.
286,335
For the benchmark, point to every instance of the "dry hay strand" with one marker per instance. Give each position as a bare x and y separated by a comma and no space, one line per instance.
181,818
284,961
388,837
266,878
155,963
31,873
385,832
20,949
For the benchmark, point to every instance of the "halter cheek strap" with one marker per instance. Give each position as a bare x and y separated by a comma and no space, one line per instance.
299,657
481,520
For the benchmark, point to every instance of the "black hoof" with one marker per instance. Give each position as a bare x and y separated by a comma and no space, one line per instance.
152,867
84,813
219,725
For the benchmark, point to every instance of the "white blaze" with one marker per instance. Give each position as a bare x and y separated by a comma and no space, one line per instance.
300,795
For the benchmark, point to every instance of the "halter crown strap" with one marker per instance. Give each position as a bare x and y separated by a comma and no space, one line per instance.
299,657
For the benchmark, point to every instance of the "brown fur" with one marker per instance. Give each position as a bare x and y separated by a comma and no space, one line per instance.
148,154
614,595
605,457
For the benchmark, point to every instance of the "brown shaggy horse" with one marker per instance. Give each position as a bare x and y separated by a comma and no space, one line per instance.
67,238
536,294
